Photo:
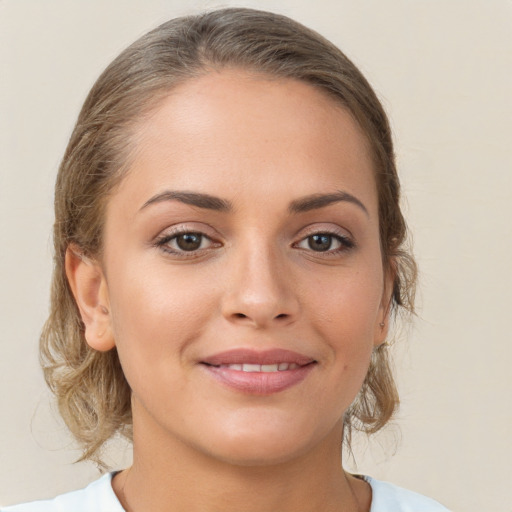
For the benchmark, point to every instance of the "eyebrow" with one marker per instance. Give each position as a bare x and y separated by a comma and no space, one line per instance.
192,198
315,201
206,201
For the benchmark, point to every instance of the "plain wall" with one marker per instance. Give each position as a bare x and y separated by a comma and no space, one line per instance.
443,71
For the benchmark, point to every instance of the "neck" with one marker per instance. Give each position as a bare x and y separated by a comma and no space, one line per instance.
169,476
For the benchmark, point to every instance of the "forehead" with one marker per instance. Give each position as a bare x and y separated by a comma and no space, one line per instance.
230,129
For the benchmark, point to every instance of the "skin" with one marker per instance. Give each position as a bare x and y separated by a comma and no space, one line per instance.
255,282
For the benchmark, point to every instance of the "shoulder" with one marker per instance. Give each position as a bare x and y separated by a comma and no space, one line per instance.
387,497
98,496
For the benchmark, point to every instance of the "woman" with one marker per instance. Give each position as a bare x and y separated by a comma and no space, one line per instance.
229,254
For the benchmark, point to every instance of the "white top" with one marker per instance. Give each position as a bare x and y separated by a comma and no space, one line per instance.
100,497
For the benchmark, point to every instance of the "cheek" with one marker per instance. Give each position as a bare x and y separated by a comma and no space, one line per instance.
346,317
157,314
351,302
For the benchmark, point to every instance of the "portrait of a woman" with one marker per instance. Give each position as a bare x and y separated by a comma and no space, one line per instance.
230,257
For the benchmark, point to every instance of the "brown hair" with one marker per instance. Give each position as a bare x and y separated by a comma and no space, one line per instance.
93,395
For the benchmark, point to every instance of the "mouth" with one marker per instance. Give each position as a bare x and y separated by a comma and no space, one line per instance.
259,373
265,368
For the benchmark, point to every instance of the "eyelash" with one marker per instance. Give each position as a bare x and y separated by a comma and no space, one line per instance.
163,243
346,243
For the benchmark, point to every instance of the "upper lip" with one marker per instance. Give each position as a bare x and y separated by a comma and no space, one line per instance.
251,356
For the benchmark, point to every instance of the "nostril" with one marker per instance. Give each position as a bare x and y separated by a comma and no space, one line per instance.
240,315
282,315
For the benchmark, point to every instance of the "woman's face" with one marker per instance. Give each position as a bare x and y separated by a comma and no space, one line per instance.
242,268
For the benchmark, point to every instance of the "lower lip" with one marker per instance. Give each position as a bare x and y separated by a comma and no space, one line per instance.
259,383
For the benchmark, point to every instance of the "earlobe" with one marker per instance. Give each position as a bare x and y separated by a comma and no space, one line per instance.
381,332
88,284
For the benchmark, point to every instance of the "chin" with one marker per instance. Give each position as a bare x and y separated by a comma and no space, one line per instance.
264,446
255,454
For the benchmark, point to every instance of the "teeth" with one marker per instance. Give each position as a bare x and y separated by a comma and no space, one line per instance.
251,368
266,368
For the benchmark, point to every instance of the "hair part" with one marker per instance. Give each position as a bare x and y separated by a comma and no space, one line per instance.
93,395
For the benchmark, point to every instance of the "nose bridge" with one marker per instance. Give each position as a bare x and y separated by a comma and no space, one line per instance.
260,289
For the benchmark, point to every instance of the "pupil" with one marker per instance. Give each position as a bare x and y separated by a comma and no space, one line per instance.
320,242
189,241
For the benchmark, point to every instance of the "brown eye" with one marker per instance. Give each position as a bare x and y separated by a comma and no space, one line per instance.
186,244
330,243
189,241
320,243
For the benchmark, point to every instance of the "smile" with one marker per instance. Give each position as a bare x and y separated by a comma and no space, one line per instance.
265,368
258,373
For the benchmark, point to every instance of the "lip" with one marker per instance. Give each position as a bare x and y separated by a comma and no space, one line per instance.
250,356
258,382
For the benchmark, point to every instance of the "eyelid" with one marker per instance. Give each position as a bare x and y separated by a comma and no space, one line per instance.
327,228
172,232
341,241
345,238
188,227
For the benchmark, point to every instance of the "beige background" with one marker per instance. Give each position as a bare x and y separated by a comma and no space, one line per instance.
443,71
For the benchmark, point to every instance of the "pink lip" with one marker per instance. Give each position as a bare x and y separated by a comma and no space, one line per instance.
249,356
258,383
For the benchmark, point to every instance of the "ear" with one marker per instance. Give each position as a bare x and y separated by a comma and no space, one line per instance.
382,321
89,287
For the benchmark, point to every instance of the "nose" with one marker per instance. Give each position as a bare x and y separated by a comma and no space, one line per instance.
260,290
